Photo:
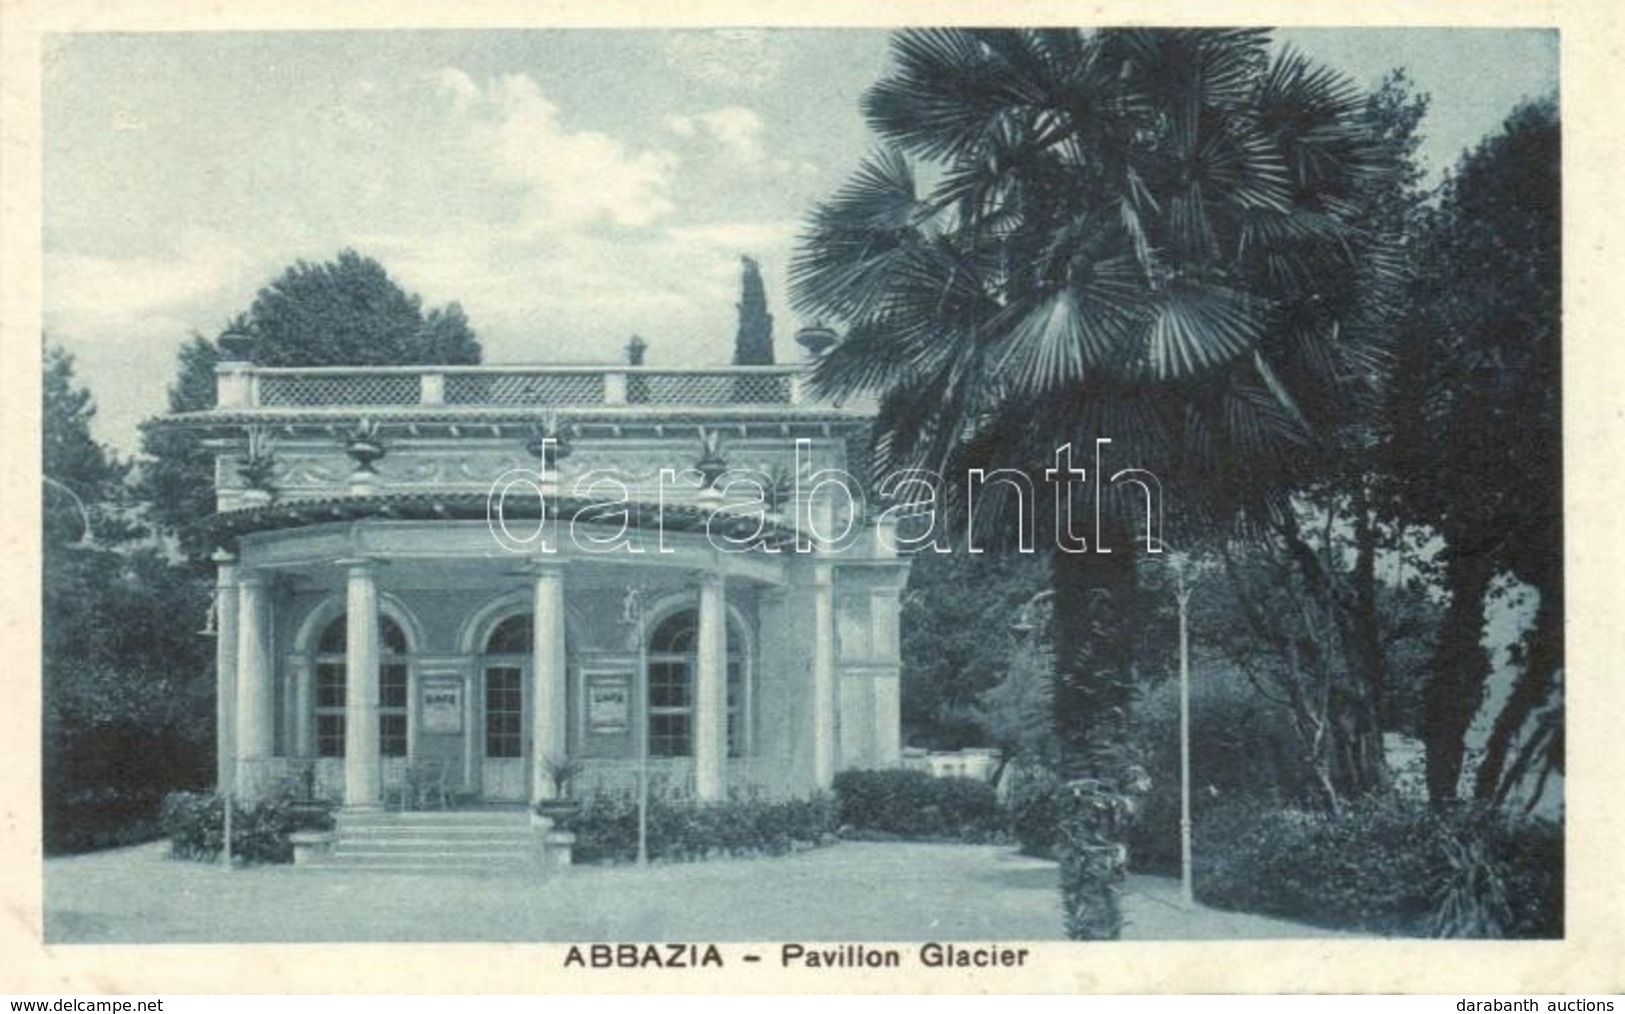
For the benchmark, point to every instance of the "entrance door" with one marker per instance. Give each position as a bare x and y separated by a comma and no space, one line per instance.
504,771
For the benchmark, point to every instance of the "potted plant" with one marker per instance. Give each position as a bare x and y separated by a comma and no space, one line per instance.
364,446
780,490
547,443
711,464
258,465
560,770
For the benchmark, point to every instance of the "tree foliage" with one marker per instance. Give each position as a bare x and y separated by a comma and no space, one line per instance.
1151,236
84,482
957,639
343,312
753,344
1477,423
127,708
349,312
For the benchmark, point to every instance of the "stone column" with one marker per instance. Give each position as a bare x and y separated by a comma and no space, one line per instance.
304,709
225,672
823,673
885,612
363,772
255,723
550,729
711,691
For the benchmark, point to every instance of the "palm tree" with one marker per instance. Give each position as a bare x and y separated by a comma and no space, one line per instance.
1143,235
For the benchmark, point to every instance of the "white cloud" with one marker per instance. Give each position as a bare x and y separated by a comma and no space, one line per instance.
735,132
571,177
87,291
456,83
732,58
740,237
737,129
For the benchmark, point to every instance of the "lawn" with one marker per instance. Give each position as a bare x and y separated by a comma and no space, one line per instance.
853,891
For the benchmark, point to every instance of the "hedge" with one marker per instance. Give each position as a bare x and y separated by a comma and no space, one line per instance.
916,806
681,829
100,818
1388,867
194,824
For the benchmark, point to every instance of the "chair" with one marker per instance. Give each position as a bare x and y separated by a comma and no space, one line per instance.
398,788
429,784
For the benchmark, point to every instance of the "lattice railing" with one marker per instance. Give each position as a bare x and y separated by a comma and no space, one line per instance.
525,388
358,388
718,388
497,386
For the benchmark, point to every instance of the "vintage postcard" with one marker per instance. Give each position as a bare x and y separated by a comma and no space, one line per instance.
917,499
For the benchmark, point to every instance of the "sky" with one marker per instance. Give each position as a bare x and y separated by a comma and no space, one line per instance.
568,188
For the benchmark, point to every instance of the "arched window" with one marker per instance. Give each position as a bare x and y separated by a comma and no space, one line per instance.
331,670
672,661
510,644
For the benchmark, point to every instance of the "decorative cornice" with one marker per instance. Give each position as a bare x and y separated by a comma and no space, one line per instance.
578,420
675,517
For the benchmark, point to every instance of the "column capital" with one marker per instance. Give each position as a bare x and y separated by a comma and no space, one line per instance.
711,578
223,557
543,567
824,575
364,564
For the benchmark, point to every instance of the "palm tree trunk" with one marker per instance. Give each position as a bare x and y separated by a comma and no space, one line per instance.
1093,634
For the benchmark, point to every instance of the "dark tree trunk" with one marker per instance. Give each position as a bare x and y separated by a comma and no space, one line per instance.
1370,658
1532,688
1093,634
1347,651
1460,667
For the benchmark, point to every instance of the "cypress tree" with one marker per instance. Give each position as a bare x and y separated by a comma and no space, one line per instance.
753,345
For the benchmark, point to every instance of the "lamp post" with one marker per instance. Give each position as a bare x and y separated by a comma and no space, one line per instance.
632,612
1182,594
1186,572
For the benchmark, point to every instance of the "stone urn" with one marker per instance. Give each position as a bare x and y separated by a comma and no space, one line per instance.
365,448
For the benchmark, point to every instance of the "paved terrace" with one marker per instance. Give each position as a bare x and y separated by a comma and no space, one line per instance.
858,891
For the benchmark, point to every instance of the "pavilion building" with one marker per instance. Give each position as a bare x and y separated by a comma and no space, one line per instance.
515,575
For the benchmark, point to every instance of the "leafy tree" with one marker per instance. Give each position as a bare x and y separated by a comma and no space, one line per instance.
955,646
1018,713
83,481
343,312
349,312
753,345
176,481
1477,430
126,711
1150,236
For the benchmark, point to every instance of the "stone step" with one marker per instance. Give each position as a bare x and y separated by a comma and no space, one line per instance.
434,844
437,844
421,830
450,841
427,855
431,818
458,869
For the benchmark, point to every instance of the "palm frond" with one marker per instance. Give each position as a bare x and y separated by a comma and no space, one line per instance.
1195,326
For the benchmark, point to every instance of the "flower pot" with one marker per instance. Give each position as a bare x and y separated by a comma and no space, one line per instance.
557,809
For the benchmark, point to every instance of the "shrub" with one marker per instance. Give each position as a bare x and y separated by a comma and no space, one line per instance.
99,818
682,829
1035,811
917,806
1385,867
193,822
